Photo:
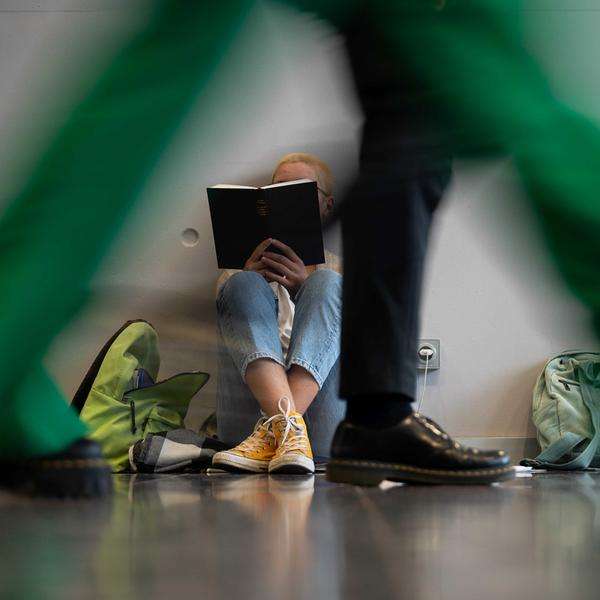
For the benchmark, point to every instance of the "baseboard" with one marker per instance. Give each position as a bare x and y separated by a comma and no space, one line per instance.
517,447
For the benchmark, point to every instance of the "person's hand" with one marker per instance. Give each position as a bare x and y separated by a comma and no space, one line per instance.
254,263
288,270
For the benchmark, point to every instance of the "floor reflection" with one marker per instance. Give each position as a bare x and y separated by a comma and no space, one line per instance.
223,536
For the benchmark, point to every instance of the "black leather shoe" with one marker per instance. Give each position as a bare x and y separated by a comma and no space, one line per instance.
79,471
414,450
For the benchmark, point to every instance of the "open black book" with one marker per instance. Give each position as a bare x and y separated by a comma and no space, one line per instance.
244,216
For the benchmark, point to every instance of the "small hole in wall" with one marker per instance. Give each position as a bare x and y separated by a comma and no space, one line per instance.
189,237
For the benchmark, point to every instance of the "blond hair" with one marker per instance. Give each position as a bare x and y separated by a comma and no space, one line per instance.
324,174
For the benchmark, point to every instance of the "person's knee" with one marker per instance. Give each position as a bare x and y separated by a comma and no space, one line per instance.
325,282
242,285
326,278
241,281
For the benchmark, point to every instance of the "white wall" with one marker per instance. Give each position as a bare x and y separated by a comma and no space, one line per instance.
489,296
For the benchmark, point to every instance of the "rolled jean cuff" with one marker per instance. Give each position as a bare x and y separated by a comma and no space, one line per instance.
255,356
306,365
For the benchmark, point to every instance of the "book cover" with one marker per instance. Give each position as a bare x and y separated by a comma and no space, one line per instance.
244,216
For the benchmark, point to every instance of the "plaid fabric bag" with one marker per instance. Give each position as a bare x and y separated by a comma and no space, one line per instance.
176,450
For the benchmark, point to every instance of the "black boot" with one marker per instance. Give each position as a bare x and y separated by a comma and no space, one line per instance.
78,471
413,450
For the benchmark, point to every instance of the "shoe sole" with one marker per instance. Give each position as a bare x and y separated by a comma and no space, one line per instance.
293,465
65,478
238,464
372,473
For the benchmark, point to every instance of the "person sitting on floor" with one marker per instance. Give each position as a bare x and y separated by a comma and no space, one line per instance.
279,343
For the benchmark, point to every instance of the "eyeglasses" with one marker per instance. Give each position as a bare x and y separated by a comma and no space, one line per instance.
318,188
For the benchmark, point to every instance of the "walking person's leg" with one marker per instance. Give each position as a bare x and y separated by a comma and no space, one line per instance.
55,232
385,243
385,240
466,49
386,223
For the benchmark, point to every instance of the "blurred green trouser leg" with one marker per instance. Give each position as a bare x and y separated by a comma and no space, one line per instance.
492,97
54,234
36,418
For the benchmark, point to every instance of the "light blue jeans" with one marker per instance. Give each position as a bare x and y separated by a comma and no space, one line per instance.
247,311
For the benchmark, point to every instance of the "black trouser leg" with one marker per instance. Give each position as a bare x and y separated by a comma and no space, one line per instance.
385,228
386,219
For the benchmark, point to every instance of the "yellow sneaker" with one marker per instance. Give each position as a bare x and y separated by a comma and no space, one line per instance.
294,454
254,454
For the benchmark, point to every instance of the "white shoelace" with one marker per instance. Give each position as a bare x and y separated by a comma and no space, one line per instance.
300,438
298,442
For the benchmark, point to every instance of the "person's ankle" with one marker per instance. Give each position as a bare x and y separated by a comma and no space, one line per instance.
378,411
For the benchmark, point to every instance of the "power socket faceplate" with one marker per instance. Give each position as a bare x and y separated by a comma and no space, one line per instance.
434,361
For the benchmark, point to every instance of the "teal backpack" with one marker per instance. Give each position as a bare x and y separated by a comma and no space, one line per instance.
120,399
566,412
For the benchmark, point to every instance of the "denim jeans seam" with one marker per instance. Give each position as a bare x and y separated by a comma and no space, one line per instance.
225,315
255,356
334,332
226,331
309,367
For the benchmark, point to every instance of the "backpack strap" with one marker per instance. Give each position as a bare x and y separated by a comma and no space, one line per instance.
555,451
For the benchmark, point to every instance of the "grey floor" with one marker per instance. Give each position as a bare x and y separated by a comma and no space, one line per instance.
255,537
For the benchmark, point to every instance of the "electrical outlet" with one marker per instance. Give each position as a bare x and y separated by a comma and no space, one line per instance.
434,360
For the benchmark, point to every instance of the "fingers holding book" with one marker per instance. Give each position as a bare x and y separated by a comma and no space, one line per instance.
287,251
286,269
254,263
